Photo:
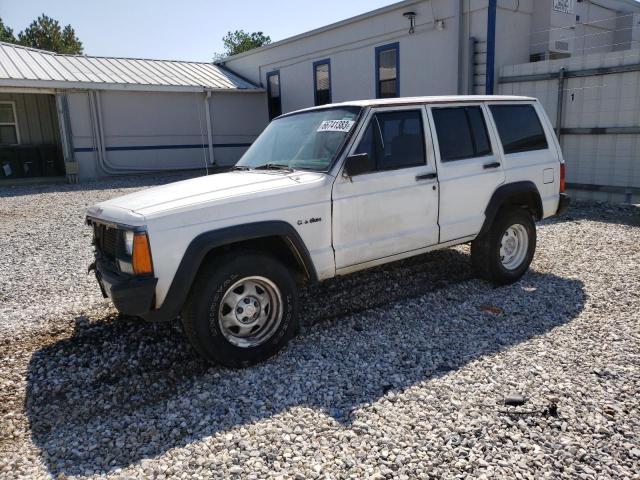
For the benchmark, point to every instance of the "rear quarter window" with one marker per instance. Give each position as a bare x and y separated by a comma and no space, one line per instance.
519,128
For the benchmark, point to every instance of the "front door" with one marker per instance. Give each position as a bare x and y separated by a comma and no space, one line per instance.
392,210
469,170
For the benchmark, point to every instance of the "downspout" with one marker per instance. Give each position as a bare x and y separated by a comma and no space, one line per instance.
461,45
560,104
209,129
491,46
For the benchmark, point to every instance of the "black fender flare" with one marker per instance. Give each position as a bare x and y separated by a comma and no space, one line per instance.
501,196
201,245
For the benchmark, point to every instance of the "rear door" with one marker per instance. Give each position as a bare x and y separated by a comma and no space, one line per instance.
528,147
469,169
392,210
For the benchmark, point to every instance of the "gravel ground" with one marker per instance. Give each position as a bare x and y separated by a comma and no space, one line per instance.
399,372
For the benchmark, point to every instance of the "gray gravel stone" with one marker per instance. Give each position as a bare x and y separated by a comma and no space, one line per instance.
399,372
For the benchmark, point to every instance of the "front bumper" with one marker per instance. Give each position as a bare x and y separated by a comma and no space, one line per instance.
130,295
563,204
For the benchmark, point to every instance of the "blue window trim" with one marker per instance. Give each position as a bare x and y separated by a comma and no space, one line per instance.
327,62
389,46
269,75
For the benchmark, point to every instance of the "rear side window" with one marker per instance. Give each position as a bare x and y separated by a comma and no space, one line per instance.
519,128
462,133
395,140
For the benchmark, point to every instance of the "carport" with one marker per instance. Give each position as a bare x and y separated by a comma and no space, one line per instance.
29,136
92,117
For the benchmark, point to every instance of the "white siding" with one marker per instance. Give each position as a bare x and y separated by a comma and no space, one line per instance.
164,131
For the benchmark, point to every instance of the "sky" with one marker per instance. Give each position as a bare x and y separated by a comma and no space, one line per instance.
179,29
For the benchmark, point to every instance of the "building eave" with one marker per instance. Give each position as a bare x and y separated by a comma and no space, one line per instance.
66,85
326,28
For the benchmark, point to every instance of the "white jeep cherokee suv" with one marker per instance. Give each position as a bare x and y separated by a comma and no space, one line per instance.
323,192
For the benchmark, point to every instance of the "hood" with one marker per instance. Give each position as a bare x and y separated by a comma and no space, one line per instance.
212,188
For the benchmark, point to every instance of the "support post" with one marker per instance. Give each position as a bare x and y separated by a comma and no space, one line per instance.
209,129
64,127
491,46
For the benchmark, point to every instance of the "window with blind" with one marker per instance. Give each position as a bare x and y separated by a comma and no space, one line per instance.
322,82
388,71
8,124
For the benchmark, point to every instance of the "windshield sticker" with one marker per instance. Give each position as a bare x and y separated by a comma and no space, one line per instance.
336,126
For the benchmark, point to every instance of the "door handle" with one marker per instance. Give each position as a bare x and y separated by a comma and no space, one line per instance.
426,176
491,165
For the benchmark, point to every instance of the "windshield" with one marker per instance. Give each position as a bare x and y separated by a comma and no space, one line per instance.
306,141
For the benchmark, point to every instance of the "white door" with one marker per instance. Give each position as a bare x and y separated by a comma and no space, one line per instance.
469,170
392,210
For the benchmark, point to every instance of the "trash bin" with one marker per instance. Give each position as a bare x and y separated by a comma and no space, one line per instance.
9,165
30,162
52,163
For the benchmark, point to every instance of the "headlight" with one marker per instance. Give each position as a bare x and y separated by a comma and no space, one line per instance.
128,242
138,260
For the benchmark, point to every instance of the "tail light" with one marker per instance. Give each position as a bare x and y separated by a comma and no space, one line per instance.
562,178
141,260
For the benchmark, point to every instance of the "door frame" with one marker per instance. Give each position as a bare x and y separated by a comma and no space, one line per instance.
430,166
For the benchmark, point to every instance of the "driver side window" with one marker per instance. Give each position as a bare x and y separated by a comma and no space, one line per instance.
394,140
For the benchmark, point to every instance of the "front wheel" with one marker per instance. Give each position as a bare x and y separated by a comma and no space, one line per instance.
504,253
241,309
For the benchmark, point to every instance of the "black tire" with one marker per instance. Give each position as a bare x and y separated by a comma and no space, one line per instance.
485,250
201,313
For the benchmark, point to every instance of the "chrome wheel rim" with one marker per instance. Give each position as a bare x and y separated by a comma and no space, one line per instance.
250,312
514,246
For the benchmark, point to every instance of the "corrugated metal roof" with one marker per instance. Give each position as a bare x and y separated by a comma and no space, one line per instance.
28,67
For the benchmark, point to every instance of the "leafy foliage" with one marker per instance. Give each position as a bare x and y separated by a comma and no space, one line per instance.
45,33
6,33
241,41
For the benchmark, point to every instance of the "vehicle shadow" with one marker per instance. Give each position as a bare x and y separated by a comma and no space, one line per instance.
119,391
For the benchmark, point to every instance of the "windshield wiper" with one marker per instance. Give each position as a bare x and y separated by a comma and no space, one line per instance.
240,167
274,166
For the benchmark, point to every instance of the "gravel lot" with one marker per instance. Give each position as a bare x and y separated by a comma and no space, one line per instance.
399,372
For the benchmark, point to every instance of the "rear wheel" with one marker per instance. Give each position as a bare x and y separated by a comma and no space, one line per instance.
504,253
241,309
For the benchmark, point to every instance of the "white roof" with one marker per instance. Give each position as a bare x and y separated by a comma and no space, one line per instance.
32,68
426,100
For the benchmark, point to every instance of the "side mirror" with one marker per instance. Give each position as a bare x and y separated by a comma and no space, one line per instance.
357,164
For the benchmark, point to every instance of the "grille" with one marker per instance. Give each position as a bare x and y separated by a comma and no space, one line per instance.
107,240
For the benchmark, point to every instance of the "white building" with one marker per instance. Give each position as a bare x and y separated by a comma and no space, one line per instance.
122,115
432,47
89,117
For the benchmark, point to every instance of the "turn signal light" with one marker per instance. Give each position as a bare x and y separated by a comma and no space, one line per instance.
562,175
141,257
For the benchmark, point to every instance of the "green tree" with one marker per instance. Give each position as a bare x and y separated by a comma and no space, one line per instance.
45,33
6,33
241,41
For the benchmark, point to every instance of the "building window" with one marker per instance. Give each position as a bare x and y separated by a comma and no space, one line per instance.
322,82
273,92
388,71
519,128
394,140
9,134
462,133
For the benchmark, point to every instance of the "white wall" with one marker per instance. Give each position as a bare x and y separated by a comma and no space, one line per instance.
428,58
164,130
